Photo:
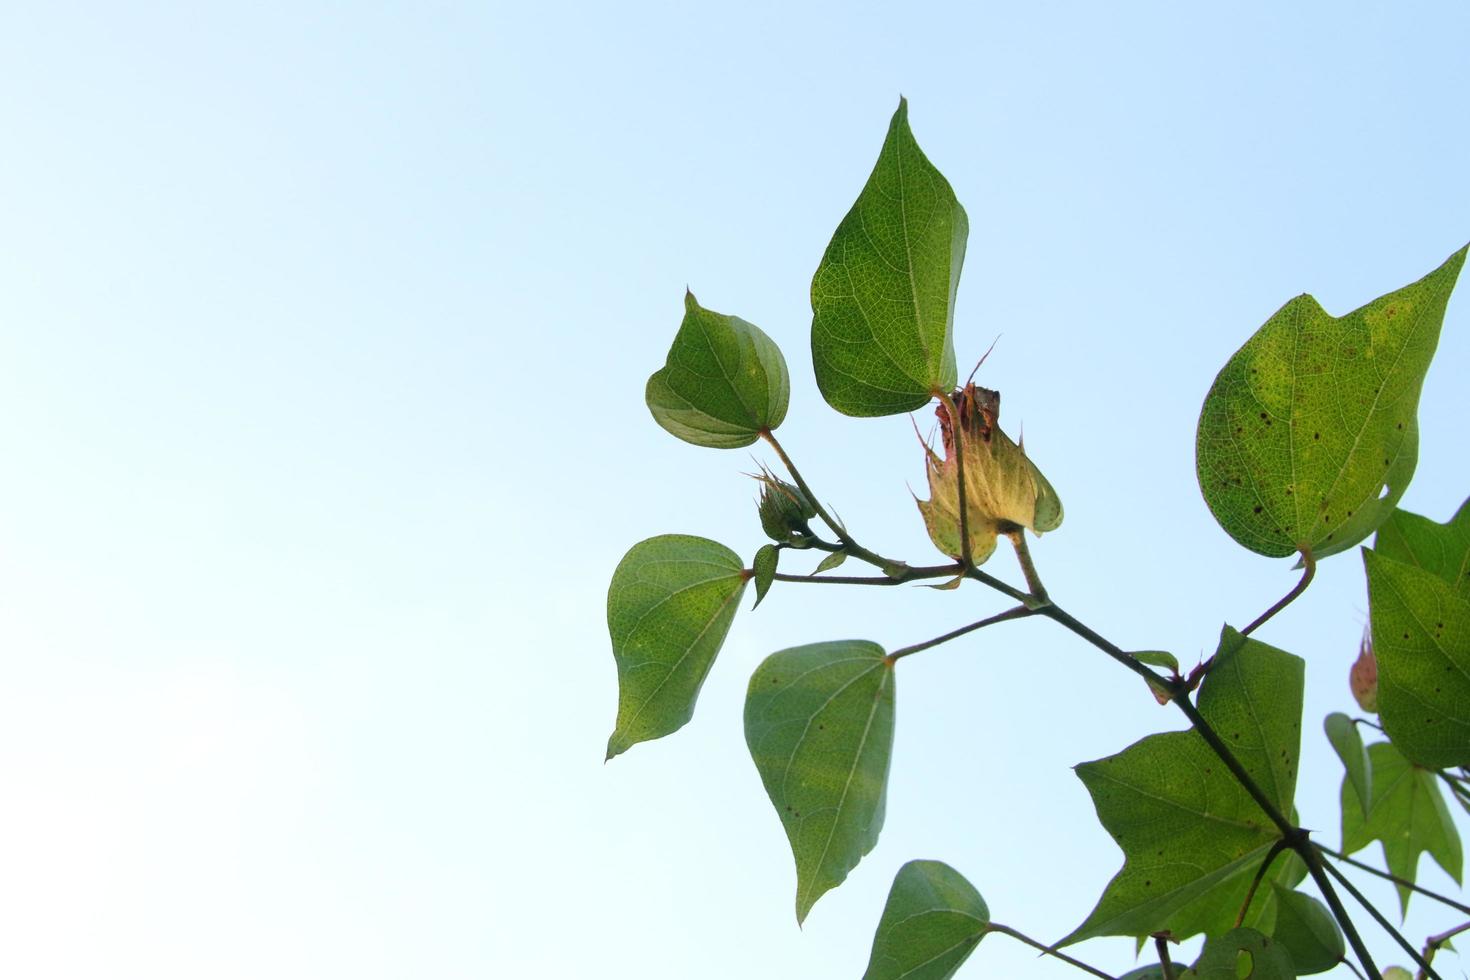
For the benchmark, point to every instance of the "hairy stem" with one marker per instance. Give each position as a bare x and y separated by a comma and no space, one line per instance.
1389,876
1048,950
1433,943
1250,894
1028,567
1382,920
1020,612
1309,568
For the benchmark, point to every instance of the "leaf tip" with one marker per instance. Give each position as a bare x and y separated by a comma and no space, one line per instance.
691,304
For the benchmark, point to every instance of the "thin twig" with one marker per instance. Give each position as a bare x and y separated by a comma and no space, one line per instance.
1028,567
1250,894
1020,612
1389,876
1349,964
1048,950
908,574
848,544
1309,569
1382,920
1433,943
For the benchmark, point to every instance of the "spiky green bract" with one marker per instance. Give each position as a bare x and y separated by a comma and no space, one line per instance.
883,296
1309,434
819,725
1192,837
1407,814
931,922
724,381
668,609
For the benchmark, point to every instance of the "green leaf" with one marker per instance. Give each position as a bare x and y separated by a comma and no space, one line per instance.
932,921
1192,837
1243,954
724,381
1307,929
1421,640
819,725
764,569
1308,436
1408,816
830,562
1157,658
1442,549
883,297
1348,744
1154,972
669,606
1396,973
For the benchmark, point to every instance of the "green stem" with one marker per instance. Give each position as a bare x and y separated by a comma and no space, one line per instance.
1402,882
1166,962
1048,950
1020,612
1002,587
1433,943
1028,567
959,461
1250,894
1318,870
909,574
1308,570
1349,964
1382,920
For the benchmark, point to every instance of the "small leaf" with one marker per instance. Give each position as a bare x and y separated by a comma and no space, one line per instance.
819,725
830,562
1407,815
764,567
1154,972
669,606
1348,744
1157,658
1307,929
1308,436
1442,549
1421,641
724,381
883,297
1191,836
1397,973
1243,954
932,921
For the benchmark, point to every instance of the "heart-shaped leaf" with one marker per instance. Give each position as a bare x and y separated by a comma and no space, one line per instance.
1192,837
1421,641
1348,744
669,606
724,381
1308,436
1243,954
1308,930
932,921
1407,815
1442,549
883,297
819,725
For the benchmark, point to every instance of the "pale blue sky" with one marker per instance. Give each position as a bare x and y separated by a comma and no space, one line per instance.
323,335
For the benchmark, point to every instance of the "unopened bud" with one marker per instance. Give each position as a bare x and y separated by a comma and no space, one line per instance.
1004,491
1363,678
784,509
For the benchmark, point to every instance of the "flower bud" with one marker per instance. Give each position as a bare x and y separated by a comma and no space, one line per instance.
1363,678
784,509
1004,491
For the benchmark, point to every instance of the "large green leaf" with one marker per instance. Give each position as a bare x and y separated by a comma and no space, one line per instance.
1407,815
1421,640
1243,954
1308,436
883,297
1191,836
668,609
932,921
1304,926
1348,744
819,725
1443,549
724,381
